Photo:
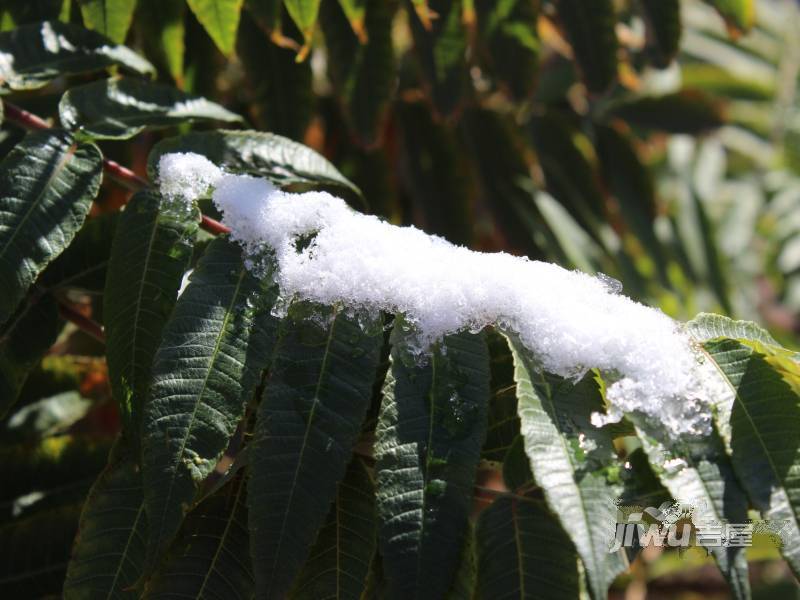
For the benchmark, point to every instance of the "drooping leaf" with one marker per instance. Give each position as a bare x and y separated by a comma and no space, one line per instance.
210,558
568,171
503,426
316,396
148,258
508,28
213,349
363,72
121,108
112,18
304,13
281,160
441,45
34,551
688,111
663,20
590,30
110,547
41,52
47,184
632,186
702,477
339,561
757,420
428,441
220,18
281,86
355,11
739,15
463,587
523,552
572,461
23,341
163,22
516,466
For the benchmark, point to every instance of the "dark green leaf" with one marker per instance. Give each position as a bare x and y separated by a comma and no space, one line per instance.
47,182
524,553
339,561
112,18
572,461
23,341
758,421
428,441
441,49
688,111
632,186
148,258
508,28
213,349
362,73
503,420
220,18
516,466
121,108
281,86
163,23
277,158
267,13
109,550
663,19
590,30
210,558
316,396
43,51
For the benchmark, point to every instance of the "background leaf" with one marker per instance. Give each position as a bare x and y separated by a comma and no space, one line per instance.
220,18
112,18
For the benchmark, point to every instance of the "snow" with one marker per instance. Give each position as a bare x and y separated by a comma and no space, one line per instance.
184,176
570,321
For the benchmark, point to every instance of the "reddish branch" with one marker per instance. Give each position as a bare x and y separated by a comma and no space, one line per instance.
84,323
122,175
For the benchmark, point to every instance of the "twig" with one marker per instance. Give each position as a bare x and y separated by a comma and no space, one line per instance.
122,175
84,323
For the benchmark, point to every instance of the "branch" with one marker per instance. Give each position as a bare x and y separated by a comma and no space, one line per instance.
84,323
122,175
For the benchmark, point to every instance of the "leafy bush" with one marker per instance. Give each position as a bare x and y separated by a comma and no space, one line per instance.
174,425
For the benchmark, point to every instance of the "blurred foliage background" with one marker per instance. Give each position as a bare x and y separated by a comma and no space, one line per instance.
655,141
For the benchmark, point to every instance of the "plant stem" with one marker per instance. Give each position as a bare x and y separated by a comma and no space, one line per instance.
121,174
84,323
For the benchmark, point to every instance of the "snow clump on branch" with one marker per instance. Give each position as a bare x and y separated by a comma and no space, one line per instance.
570,321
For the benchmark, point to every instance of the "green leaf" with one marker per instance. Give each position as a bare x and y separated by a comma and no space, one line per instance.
632,186
362,71
316,396
509,30
281,160
428,440
281,86
739,15
210,558
112,18
706,326
441,48
23,341
503,426
220,18
43,51
524,553
688,111
83,264
164,24
355,11
148,258
109,550
590,31
758,420
516,466
572,461
213,349
47,182
663,20
340,559
34,551
568,170
304,13
700,475
121,108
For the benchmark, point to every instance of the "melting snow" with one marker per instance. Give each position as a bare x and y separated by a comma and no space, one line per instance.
570,321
